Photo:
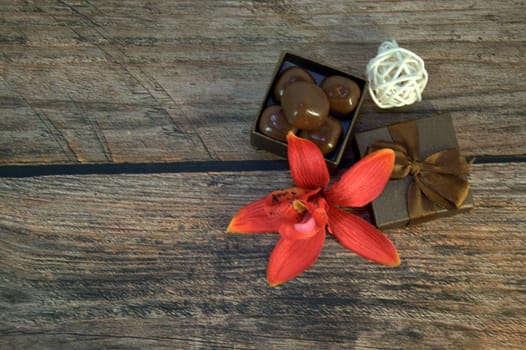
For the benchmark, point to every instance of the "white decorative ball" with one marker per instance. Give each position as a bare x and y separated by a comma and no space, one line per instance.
397,77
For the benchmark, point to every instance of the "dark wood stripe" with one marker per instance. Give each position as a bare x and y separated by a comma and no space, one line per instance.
18,171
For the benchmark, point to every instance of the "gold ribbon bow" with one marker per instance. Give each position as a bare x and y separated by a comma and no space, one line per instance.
439,179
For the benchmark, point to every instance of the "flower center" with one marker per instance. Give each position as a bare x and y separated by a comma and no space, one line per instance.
306,225
306,222
299,206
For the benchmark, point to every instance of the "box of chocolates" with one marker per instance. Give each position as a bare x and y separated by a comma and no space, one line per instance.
313,100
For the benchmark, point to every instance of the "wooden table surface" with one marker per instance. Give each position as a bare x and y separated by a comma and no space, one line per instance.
124,152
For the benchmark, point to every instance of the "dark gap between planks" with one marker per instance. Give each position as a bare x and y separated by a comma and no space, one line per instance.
186,167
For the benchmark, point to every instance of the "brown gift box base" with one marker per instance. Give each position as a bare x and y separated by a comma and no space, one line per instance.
319,72
390,208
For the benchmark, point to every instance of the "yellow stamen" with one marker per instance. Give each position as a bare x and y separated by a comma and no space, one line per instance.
299,206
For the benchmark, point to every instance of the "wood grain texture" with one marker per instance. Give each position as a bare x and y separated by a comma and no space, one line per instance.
136,81
143,261
139,261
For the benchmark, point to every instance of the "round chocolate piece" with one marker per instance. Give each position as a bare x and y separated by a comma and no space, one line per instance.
305,105
289,76
327,136
343,94
274,124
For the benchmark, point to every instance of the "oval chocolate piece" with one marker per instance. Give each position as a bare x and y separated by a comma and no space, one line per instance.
305,105
274,124
289,76
327,136
343,94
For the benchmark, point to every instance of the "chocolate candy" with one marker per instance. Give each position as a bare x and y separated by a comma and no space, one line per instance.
289,76
305,105
327,136
274,124
343,94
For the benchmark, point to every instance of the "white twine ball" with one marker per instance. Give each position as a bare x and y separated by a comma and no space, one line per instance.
397,77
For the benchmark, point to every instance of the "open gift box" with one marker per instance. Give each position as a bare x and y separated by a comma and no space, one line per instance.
318,72
429,179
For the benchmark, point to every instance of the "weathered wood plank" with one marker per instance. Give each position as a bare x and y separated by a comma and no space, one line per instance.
113,81
140,261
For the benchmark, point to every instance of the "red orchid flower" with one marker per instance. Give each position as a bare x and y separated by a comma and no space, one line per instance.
303,214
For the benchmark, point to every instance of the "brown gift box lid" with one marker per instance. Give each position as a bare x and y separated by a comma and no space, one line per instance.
318,71
390,208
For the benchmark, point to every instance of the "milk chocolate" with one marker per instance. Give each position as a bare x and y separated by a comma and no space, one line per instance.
327,136
289,76
274,124
305,105
343,94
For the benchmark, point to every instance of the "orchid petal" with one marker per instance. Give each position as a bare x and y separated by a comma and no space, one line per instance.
364,181
291,257
306,162
279,204
253,219
361,237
